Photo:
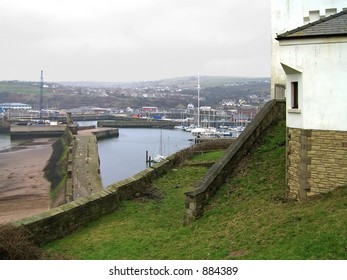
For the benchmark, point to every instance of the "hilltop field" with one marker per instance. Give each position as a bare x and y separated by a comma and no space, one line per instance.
248,218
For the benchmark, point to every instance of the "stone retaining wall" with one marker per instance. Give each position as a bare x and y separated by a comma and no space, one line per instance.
217,174
60,221
316,161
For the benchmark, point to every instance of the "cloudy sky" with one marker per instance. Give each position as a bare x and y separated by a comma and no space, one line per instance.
131,40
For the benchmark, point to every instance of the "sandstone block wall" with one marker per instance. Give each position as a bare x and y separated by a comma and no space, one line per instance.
316,161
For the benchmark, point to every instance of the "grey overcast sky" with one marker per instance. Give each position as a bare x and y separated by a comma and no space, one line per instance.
132,40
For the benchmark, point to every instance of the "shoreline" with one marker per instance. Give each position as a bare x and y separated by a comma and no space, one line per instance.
23,189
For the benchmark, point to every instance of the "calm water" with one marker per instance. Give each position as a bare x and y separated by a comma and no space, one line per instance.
6,144
5,141
125,156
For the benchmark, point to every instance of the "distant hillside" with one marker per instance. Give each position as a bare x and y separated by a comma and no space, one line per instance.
167,93
189,82
205,81
19,87
23,92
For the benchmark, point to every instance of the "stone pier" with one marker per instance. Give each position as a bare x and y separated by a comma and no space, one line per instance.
84,164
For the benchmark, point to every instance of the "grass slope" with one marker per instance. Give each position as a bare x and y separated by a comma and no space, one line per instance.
247,219
20,87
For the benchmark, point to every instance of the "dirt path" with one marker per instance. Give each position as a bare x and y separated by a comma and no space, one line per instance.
23,189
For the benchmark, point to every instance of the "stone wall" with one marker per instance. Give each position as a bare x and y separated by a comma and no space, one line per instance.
316,161
62,220
217,174
31,131
56,169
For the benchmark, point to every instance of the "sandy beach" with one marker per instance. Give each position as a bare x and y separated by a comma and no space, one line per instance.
23,189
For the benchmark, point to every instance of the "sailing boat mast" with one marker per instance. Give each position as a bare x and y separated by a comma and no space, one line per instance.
198,100
161,143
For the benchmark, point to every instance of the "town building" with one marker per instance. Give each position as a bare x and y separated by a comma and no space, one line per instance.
309,65
15,106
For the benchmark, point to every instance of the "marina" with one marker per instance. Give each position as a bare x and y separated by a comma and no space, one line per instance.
125,155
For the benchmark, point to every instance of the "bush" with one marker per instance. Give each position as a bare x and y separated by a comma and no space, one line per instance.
15,244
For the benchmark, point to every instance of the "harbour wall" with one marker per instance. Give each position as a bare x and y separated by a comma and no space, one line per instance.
62,220
136,123
84,163
198,198
31,131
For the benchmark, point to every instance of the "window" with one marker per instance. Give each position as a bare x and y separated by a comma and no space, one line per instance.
295,95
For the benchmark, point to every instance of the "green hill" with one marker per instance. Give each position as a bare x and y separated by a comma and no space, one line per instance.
190,82
10,87
249,218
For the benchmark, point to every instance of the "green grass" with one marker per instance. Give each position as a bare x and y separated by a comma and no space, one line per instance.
248,218
207,156
21,87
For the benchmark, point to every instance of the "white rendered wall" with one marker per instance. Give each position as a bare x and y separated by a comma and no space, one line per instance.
290,14
323,89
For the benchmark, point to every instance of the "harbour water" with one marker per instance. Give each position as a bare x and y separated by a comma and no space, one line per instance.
5,141
7,144
125,156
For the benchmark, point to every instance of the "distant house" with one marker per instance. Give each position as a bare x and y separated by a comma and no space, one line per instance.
313,59
149,109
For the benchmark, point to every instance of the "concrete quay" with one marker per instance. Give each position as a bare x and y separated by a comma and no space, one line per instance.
100,133
137,123
84,164
32,131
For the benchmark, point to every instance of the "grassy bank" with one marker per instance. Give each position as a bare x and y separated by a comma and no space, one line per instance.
249,218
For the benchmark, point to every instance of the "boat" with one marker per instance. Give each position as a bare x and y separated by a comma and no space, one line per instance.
180,127
158,157
189,128
198,131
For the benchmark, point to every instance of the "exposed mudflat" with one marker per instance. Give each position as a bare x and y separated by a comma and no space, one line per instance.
23,189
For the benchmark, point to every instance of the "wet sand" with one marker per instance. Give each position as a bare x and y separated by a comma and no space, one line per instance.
23,189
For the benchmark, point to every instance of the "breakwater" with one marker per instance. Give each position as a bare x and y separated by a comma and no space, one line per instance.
136,123
32,131
84,163
74,171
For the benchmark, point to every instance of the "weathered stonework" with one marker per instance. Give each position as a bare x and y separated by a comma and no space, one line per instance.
316,161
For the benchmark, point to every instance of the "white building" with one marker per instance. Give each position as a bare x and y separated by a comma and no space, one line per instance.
289,14
15,106
310,63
